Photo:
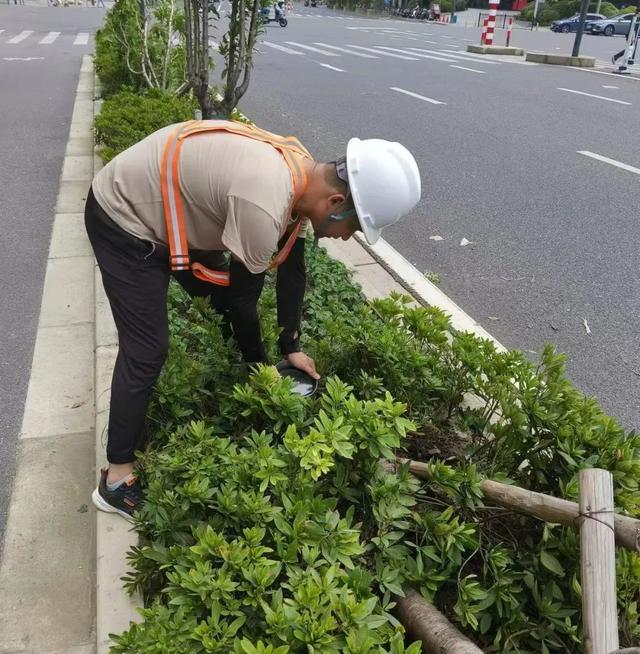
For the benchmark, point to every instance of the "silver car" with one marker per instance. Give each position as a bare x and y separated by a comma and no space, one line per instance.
611,26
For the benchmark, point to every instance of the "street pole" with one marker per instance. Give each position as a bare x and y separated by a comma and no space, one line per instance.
535,14
583,16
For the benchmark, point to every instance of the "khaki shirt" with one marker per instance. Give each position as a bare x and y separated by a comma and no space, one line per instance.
236,194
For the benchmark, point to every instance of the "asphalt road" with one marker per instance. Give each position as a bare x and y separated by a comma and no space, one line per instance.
554,233
38,82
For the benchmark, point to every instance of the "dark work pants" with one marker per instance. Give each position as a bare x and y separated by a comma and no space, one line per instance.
136,274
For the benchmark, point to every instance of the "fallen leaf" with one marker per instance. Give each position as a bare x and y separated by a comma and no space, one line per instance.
435,237
465,241
493,317
555,329
586,325
83,508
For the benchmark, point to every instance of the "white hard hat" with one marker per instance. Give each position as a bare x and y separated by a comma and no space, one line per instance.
384,181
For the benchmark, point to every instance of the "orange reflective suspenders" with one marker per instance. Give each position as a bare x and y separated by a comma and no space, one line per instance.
288,147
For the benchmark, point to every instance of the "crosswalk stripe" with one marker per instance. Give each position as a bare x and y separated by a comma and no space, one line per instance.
81,39
312,49
386,54
417,54
21,37
446,53
275,46
49,38
347,51
480,59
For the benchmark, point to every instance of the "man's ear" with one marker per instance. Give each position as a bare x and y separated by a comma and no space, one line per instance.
336,200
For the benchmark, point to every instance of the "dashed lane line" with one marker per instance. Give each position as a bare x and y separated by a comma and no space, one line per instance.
593,95
611,162
471,70
338,70
416,95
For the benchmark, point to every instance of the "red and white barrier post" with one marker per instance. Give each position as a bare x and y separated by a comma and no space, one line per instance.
509,31
491,27
483,36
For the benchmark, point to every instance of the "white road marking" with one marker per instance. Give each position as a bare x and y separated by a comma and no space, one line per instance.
386,54
312,49
416,95
339,70
21,37
601,72
502,59
346,51
431,42
606,86
455,56
591,95
372,28
275,46
49,38
21,58
472,70
416,54
81,39
1,31
612,162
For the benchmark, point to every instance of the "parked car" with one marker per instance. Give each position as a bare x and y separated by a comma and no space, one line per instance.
571,24
611,26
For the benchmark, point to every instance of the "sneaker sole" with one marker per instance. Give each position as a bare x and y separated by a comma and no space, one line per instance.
102,505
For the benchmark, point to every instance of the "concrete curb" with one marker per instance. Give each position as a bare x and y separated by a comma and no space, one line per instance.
115,608
495,50
561,60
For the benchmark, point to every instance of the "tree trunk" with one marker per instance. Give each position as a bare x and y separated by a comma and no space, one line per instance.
425,623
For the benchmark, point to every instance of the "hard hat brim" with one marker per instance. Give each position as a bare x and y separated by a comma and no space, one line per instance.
354,148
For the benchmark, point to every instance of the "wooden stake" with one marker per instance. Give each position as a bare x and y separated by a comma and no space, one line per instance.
425,623
541,506
598,562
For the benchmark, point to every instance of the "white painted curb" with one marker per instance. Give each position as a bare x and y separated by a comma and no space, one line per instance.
422,289
115,608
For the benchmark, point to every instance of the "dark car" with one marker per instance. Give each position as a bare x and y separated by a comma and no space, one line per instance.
611,26
571,24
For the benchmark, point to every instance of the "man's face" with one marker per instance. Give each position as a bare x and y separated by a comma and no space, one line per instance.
343,229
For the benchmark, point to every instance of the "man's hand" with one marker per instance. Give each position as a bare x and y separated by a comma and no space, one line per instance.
303,362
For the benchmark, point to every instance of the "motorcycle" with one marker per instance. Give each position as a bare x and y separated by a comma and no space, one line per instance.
269,15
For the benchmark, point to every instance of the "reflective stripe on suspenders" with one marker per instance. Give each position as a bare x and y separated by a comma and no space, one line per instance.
172,197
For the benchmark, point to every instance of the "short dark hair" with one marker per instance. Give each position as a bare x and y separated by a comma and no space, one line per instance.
332,179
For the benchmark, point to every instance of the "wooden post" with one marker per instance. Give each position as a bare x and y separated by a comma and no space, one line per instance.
425,623
598,562
541,506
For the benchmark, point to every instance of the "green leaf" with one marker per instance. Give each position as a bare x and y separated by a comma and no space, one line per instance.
550,562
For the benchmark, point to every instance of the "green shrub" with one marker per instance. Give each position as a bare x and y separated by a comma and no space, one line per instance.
270,526
127,117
